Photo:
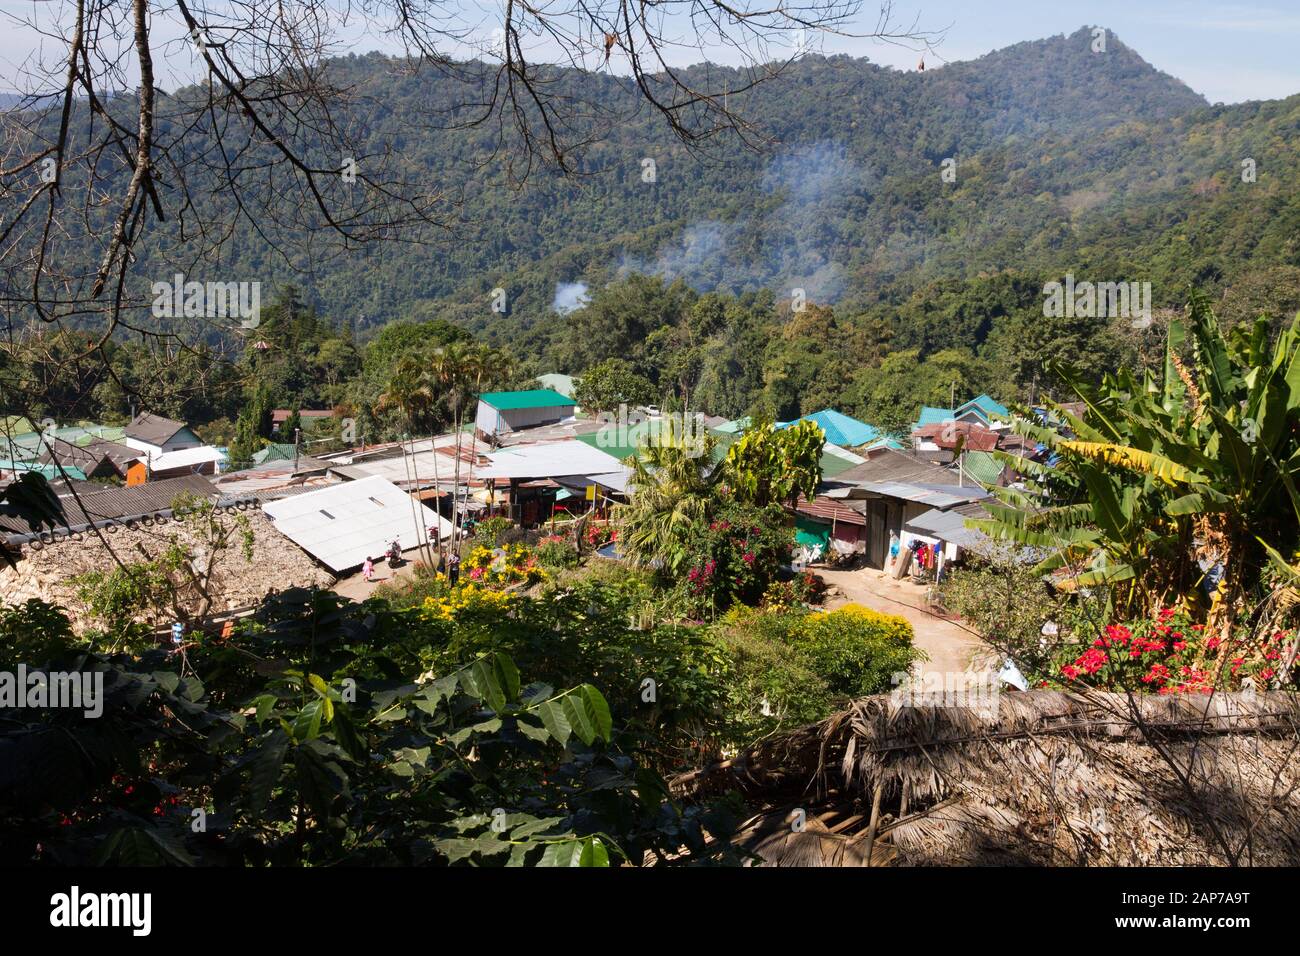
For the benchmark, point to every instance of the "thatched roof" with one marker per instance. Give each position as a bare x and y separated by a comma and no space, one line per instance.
1043,778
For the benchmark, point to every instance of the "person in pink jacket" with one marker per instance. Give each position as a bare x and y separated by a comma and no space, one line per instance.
368,570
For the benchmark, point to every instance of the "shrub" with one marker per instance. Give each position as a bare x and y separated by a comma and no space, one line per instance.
35,633
554,551
809,587
412,591
597,535
489,530
790,666
769,686
505,565
1007,603
856,650
736,557
1169,654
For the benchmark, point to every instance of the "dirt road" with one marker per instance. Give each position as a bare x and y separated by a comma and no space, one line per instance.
951,647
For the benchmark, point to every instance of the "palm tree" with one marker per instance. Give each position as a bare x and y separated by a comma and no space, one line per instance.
448,366
408,393
675,491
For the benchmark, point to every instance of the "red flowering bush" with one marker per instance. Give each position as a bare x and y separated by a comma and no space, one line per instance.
599,535
736,556
1171,655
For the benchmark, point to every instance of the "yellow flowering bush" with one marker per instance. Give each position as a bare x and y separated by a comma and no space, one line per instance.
468,599
504,565
887,628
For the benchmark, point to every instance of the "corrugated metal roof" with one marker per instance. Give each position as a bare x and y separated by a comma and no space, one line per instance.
153,429
100,503
982,466
344,524
886,464
931,416
548,459
830,510
842,429
48,471
936,496
985,404
836,460
185,458
971,435
949,525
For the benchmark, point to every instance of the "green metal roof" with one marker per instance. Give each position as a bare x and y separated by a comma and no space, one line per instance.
982,466
732,427
933,416
48,471
634,438
530,398
276,451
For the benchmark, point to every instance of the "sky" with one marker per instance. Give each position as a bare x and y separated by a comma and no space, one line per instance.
1228,52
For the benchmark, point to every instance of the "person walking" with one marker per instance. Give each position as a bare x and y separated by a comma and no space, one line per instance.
368,570
453,568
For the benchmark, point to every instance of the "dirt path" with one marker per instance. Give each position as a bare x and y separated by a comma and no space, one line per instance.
951,647
354,586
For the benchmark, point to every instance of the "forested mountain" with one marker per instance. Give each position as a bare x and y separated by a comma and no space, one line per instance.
1062,159
843,199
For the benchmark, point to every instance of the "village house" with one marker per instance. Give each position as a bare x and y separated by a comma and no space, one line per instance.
502,412
155,435
96,458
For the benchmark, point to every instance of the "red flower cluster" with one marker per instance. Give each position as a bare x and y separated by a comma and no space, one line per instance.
1166,654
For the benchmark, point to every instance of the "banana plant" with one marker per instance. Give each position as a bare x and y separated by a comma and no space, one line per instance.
1190,467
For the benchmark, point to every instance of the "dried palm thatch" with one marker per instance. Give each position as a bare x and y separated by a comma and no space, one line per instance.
1044,778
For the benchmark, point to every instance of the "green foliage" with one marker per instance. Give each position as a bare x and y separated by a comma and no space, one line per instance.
611,383
1187,468
556,552
252,428
770,686
790,667
770,465
489,531
1006,602
676,493
857,651
310,741
34,631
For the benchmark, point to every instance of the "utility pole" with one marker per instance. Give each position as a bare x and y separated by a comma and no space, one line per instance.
297,435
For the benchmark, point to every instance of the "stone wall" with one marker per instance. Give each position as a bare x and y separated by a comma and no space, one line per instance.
47,574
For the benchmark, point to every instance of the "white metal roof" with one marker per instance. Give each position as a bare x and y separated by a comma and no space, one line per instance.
405,469
343,524
548,460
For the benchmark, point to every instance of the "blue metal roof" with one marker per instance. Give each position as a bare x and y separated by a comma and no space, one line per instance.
985,404
933,416
842,429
